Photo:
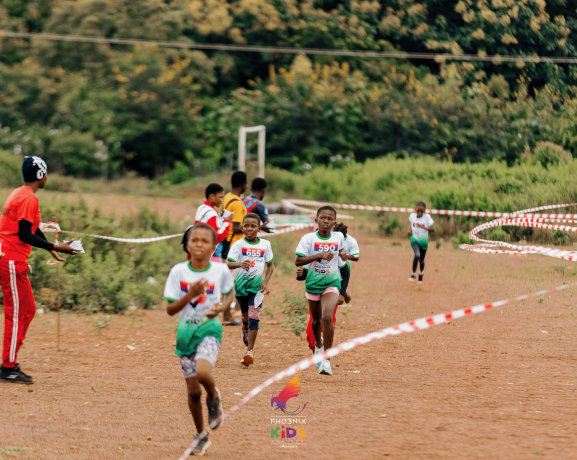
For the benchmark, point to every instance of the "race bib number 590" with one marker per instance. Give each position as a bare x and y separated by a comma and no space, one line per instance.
324,247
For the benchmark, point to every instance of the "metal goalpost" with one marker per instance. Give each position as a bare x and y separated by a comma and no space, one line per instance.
242,132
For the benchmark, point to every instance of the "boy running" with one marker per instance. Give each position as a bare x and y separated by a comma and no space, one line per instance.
193,289
320,251
250,255
421,225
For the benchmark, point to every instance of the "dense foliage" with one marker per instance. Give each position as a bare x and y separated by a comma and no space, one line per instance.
100,110
111,276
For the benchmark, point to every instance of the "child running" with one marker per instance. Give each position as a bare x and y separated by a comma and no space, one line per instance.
420,226
250,255
194,290
320,251
353,253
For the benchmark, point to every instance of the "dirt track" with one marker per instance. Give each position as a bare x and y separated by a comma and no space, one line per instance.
500,384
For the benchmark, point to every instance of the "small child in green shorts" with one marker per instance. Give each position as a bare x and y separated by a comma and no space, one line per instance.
194,289
251,255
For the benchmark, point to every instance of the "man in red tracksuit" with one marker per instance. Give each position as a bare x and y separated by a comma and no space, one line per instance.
18,233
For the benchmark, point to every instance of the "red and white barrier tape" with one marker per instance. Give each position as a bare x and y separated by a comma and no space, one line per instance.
530,221
443,212
312,211
54,227
410,326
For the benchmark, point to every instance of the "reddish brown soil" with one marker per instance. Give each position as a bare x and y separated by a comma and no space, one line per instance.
496,385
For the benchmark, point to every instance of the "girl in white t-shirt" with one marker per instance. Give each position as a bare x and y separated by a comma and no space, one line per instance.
420,226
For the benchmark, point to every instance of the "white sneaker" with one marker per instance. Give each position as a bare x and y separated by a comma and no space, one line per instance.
317,351
247,359
413,277
326,368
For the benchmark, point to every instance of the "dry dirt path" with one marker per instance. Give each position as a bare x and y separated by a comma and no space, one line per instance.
496,385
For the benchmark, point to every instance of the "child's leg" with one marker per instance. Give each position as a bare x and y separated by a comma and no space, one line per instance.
346,276
422,259
253,321
328,304
206,379
317,314
206,356
417,251
243,304
194,393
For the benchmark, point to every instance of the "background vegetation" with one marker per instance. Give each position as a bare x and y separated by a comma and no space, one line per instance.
96,110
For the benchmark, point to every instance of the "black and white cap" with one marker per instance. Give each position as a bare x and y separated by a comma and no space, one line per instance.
33,169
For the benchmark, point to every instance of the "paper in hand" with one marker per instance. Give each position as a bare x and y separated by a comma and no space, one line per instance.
258,298
77,245
271,226
226,214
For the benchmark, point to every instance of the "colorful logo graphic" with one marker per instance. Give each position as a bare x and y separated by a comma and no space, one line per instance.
292,390
253,252
184,286
324,247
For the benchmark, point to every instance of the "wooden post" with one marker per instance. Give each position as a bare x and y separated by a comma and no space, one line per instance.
57,288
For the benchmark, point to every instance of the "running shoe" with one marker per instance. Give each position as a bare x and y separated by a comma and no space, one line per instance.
15,375
201,447
247,359
214,410
245,334
234,322
317,351
413,277
326,368
421,278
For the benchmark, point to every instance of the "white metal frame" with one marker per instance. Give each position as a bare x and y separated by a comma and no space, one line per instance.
242,132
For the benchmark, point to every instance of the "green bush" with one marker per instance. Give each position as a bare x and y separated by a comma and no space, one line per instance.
10,169
111,275
295,308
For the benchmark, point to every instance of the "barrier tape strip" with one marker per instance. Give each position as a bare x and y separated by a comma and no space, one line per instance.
54,227
409,326
534,222
443,212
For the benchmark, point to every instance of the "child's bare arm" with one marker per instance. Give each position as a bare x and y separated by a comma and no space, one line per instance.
232,265
194,290
226,301
269,270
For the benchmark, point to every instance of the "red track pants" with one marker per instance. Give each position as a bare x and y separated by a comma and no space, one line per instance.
19,307
310,336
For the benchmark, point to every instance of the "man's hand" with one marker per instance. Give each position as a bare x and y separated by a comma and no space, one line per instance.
246,264
263,288
326,255
195,289
57,257
66,248
214,311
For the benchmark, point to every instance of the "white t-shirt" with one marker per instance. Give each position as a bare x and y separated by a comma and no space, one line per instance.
259,254
420,235
322,274
351,248
219,279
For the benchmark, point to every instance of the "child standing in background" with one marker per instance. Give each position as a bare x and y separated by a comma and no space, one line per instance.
420,226
207,213
250,255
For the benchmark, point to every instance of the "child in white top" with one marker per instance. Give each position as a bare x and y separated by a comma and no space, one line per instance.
421,224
